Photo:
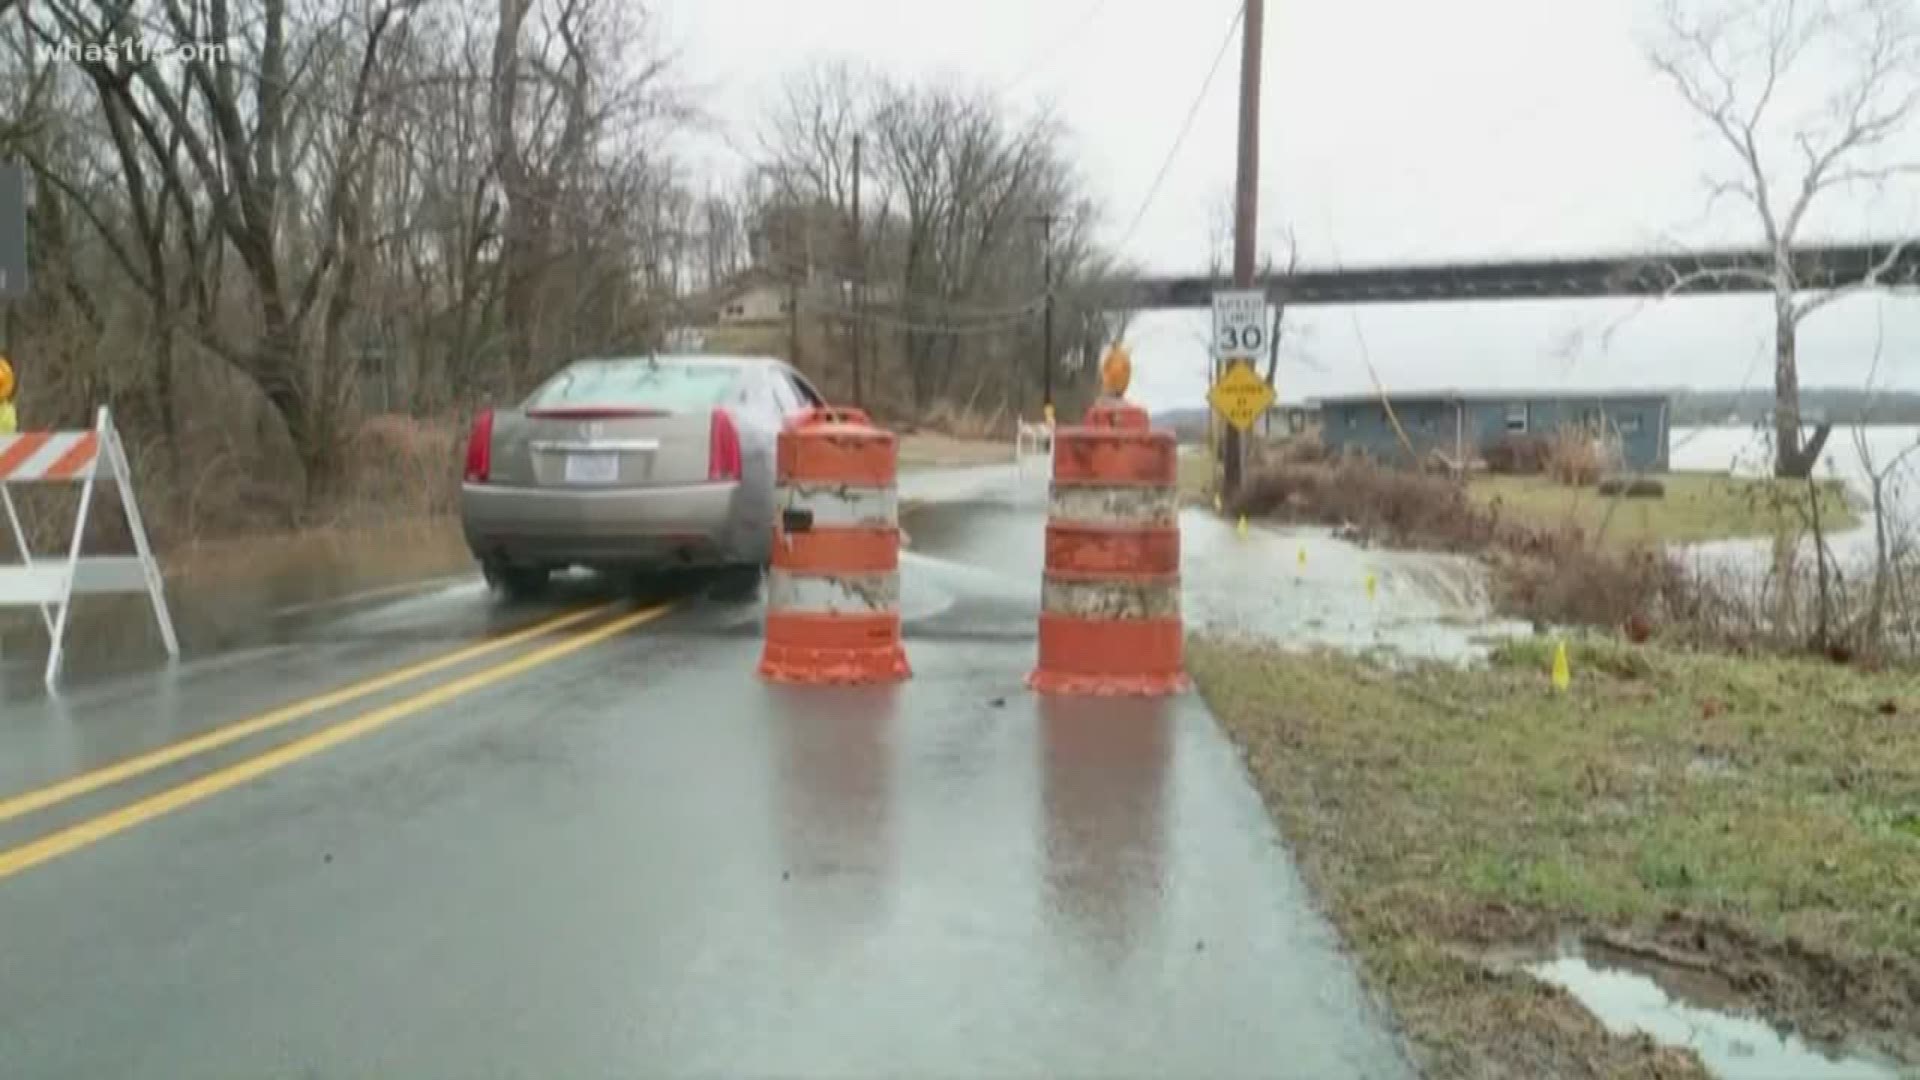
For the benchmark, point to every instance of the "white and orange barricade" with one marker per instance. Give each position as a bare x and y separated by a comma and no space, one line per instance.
75,457
1110,600
1029,442
833,596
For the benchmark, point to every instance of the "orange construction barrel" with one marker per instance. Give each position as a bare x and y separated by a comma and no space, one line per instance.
1110,600
833,596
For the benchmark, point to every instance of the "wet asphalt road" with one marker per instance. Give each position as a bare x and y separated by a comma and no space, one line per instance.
636,860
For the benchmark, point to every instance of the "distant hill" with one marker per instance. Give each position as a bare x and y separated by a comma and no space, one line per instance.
1189,425
1701,408
1841,406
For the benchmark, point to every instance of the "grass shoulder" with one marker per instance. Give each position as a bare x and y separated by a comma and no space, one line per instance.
1695,507
1769,808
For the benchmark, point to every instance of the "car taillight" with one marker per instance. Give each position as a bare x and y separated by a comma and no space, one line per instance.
480,447
723,447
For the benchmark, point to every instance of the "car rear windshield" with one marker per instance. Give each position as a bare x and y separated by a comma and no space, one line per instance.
650,384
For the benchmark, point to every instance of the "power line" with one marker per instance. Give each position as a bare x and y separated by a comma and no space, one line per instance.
1041,59
993,326
783,265
1186,126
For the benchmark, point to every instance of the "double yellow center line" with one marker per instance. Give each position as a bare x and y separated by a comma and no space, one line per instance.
74,837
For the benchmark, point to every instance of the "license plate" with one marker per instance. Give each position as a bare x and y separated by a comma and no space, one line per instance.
592,468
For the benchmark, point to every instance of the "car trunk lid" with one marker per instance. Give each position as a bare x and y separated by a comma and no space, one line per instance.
641,427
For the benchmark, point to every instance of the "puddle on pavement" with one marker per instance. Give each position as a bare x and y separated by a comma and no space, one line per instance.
1731,1047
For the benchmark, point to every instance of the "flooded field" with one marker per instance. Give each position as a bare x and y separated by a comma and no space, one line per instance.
1851,456
1303,586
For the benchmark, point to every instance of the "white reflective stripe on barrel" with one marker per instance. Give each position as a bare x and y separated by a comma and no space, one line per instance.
841,505
837,594
1158,599
1113,504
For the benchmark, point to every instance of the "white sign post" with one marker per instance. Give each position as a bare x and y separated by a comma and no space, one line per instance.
1239,333
1239,325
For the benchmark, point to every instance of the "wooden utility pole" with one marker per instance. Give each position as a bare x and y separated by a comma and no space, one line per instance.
1046,271
1046,277
1246,194
793,288
859,281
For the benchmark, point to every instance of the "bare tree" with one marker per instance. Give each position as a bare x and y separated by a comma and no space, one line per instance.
1806,97
570,119
416,205
949,247
235,150
1278,297
321,208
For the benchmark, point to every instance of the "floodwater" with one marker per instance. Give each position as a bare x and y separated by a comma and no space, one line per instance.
1731,1047
1851,456
1301,587
1743,451
1305,587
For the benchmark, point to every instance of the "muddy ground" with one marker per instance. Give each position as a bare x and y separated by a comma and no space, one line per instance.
1748,832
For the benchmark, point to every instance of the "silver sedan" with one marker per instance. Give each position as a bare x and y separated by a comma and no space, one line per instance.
636,464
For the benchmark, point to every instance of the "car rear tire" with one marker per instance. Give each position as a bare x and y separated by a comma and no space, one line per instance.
645,585
517,582
736,582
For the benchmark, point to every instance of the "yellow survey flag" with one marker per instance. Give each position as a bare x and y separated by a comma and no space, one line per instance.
1562,676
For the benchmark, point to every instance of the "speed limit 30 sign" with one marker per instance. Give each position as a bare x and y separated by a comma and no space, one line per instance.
1239,324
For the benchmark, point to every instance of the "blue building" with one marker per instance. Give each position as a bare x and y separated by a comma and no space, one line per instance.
1460,424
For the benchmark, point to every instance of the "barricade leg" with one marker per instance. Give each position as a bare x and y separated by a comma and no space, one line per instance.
150,566
20,542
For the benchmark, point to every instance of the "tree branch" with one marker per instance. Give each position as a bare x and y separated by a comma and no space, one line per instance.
1869,280
1709,275
1868,119
346,162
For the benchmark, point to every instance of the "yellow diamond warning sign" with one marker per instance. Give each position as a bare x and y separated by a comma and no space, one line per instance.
1240,396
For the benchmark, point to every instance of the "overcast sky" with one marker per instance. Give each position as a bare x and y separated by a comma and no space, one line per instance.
1392,130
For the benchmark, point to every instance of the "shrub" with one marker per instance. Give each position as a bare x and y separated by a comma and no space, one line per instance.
1579,458
1398,506
1568,580
1638,487
1302,449
1556,575
401,466
1515,455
